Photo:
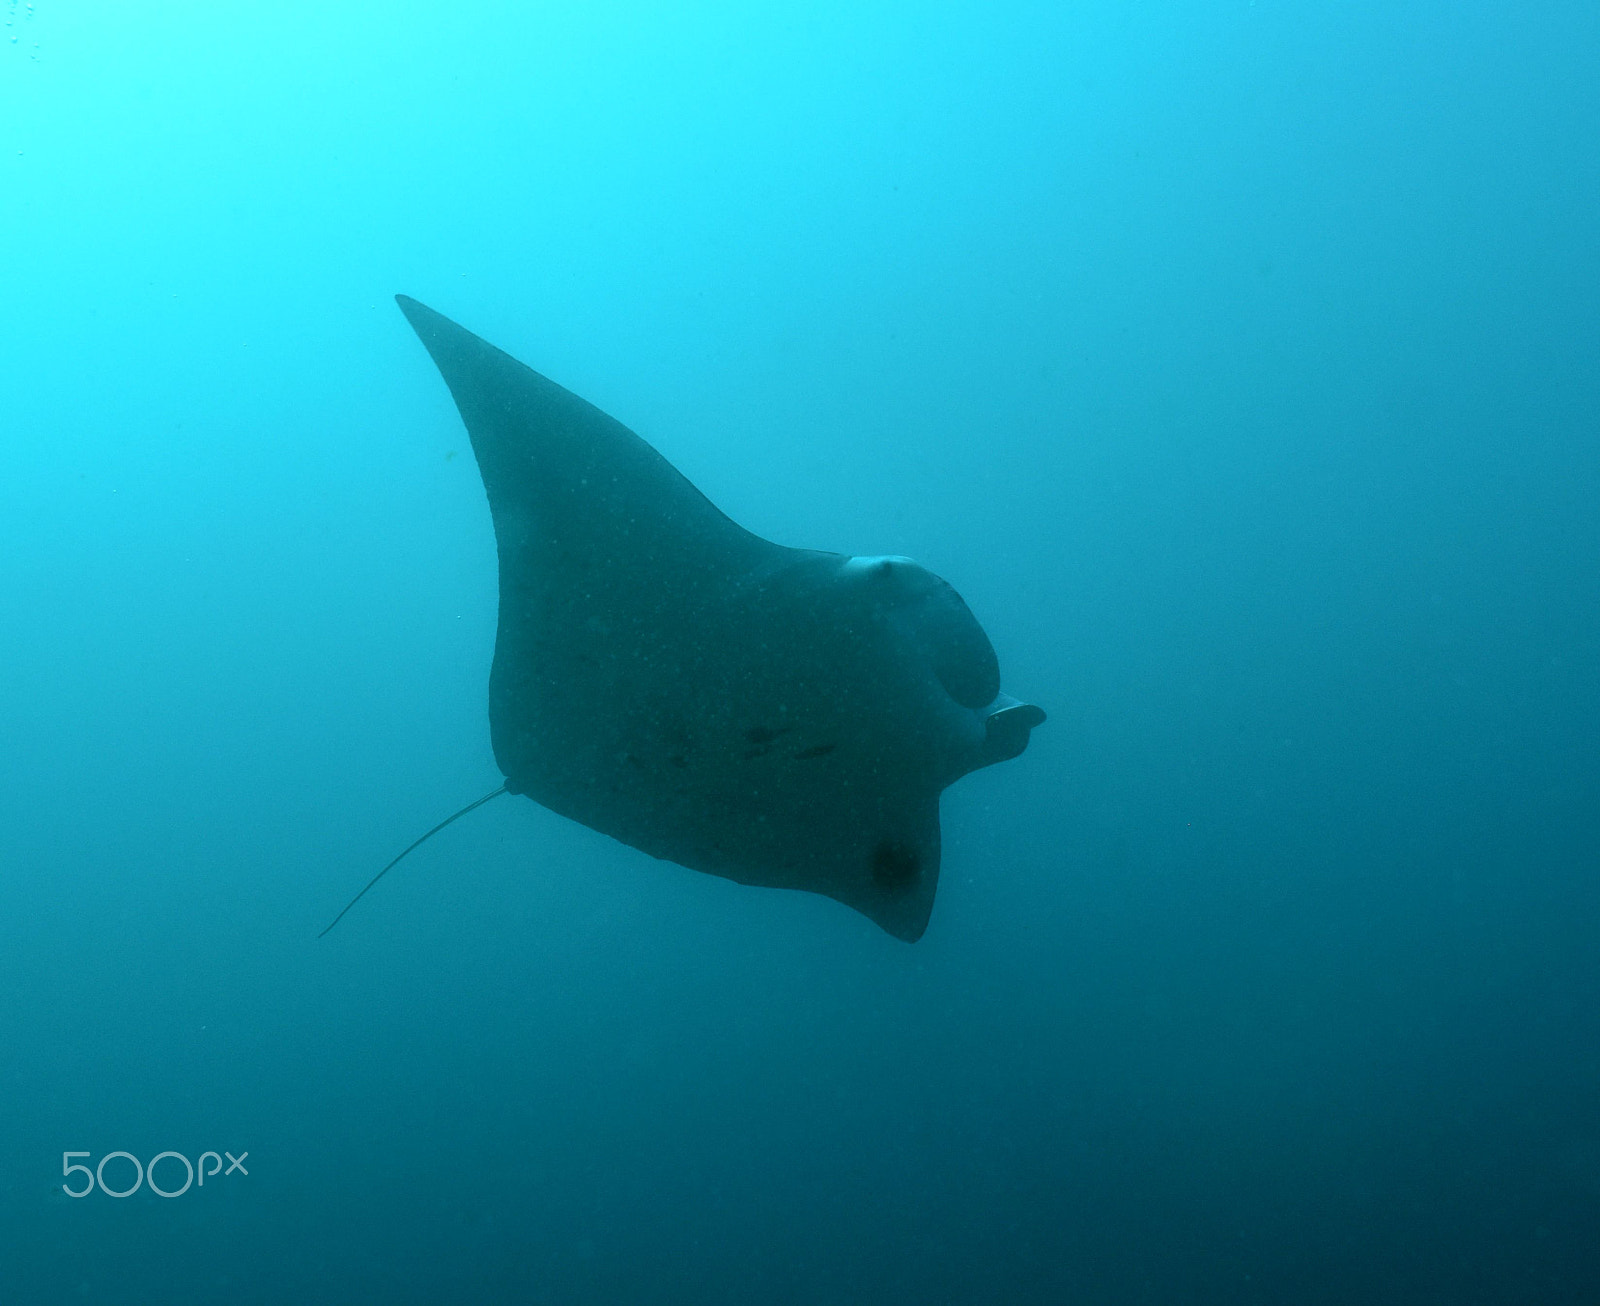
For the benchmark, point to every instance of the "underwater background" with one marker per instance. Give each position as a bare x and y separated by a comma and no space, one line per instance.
1239,363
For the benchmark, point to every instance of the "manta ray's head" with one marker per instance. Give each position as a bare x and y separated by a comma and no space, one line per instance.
935,621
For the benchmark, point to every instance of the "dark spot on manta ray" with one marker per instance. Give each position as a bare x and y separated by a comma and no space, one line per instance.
627,599
762,737
894,866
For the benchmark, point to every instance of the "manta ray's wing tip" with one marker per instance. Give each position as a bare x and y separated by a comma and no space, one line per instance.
434,328
411,308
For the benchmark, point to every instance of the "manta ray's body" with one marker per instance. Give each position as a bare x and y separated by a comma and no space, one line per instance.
777,716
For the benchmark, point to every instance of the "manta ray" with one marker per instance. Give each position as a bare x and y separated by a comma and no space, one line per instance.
778,716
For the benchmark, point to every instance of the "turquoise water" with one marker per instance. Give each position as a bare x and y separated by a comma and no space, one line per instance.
1236,362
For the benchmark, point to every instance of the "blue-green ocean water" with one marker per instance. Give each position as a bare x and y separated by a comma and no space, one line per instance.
1238,362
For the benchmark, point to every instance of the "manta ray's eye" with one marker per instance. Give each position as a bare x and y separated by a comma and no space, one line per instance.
894,866
881,567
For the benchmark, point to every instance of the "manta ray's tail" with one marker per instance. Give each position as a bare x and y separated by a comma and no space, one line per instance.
468,808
